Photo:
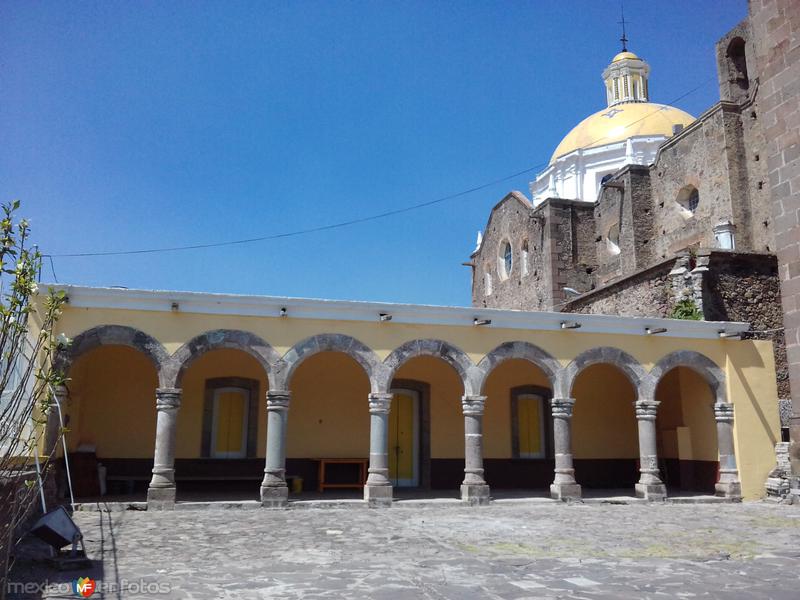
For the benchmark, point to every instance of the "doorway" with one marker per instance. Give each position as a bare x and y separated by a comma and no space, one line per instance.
404,438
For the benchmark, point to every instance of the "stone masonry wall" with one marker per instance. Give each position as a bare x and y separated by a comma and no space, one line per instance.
697,157
512,219
645,294
560,253
745,287
775,26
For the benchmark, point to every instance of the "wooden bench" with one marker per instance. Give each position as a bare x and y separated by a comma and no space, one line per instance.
362,473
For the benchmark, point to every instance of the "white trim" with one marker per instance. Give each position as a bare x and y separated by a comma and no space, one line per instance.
416,314
242,453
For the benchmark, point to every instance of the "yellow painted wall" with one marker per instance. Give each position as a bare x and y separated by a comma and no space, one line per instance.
112,403
497,415
217,363
447,422
686,402
329,413
748,365
604,418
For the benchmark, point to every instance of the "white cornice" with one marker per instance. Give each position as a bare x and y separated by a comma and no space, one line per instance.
346,310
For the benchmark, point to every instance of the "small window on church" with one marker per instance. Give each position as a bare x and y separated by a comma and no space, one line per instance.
626,86
612,239
689,199
524,258
616,88
487,283
738,63
505,260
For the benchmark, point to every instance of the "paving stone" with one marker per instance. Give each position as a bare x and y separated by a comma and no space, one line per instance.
511,551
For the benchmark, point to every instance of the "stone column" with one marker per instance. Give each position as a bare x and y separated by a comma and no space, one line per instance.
564,486
378,491
474,490
53,426
650,486
728,484
161,493
274,491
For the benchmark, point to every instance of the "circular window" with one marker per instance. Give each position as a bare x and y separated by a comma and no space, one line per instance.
689,199
506,259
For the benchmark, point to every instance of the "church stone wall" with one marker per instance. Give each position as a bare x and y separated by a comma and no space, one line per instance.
697,157
512,219
775,25
559,235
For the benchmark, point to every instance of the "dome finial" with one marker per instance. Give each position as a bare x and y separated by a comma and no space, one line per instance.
624,38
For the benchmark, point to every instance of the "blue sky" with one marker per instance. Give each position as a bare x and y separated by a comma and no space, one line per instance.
130,125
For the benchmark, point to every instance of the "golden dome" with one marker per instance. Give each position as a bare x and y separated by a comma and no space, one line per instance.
620,122
623,55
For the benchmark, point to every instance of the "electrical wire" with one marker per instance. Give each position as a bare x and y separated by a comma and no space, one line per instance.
341,224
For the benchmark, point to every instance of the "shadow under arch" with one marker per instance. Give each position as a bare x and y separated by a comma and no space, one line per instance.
522,351
626,363
218,339
452,355
332,342
115,335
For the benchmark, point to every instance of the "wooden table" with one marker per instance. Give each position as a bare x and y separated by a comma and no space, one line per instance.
362,472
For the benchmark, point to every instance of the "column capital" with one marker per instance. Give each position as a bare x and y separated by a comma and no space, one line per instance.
473,405
646,409
278,399
723,411
561,408
380,402
168,398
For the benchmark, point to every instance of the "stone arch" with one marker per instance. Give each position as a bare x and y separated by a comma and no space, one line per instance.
455,357
217,339
699,363
631,367
333,342
520,350
114,335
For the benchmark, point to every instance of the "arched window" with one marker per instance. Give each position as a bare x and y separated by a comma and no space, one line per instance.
689,199
505,260
737,63
487,285
612,239
524,258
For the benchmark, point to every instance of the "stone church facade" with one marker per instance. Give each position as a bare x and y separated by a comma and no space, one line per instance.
690,234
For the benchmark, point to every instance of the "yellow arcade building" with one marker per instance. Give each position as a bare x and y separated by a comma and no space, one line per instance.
169,390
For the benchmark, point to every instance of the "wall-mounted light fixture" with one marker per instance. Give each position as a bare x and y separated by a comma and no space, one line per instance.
570,325
385,317
283,311
733,335
479,322
175,307
655,330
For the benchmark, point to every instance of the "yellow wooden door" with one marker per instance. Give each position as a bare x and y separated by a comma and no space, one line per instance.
230,415
402,439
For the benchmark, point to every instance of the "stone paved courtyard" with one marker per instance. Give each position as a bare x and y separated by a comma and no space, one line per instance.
512,551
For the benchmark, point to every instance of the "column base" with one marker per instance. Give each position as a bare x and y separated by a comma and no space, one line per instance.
653,492
161,498
732,490
378,496
274,497
475,494
565,491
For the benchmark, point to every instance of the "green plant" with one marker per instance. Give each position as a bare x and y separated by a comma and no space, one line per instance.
687,310
27,379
